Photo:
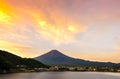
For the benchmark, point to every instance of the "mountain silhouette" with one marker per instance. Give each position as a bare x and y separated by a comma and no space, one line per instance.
9,61
55,57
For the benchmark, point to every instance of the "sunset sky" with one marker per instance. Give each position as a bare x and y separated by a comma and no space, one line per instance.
86,29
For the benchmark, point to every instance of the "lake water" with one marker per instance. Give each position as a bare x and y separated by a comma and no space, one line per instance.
62,75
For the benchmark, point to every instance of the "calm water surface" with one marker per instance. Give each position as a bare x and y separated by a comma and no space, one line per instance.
62,75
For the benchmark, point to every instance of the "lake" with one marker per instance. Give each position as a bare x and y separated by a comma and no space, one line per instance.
62,75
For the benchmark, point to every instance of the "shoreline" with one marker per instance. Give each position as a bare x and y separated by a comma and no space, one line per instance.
57,71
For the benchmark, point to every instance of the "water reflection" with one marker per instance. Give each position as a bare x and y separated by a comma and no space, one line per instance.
62,75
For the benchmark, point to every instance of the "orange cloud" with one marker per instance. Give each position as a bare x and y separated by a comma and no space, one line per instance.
4,13
51,23
57,34
4,18
62,31
7,14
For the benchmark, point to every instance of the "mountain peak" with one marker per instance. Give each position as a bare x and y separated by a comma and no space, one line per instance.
54,53
53,56
54,50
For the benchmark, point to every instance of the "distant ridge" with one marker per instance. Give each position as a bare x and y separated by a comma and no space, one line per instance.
55,57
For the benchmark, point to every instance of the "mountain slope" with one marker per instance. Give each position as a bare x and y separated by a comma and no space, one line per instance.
55,57
10,61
